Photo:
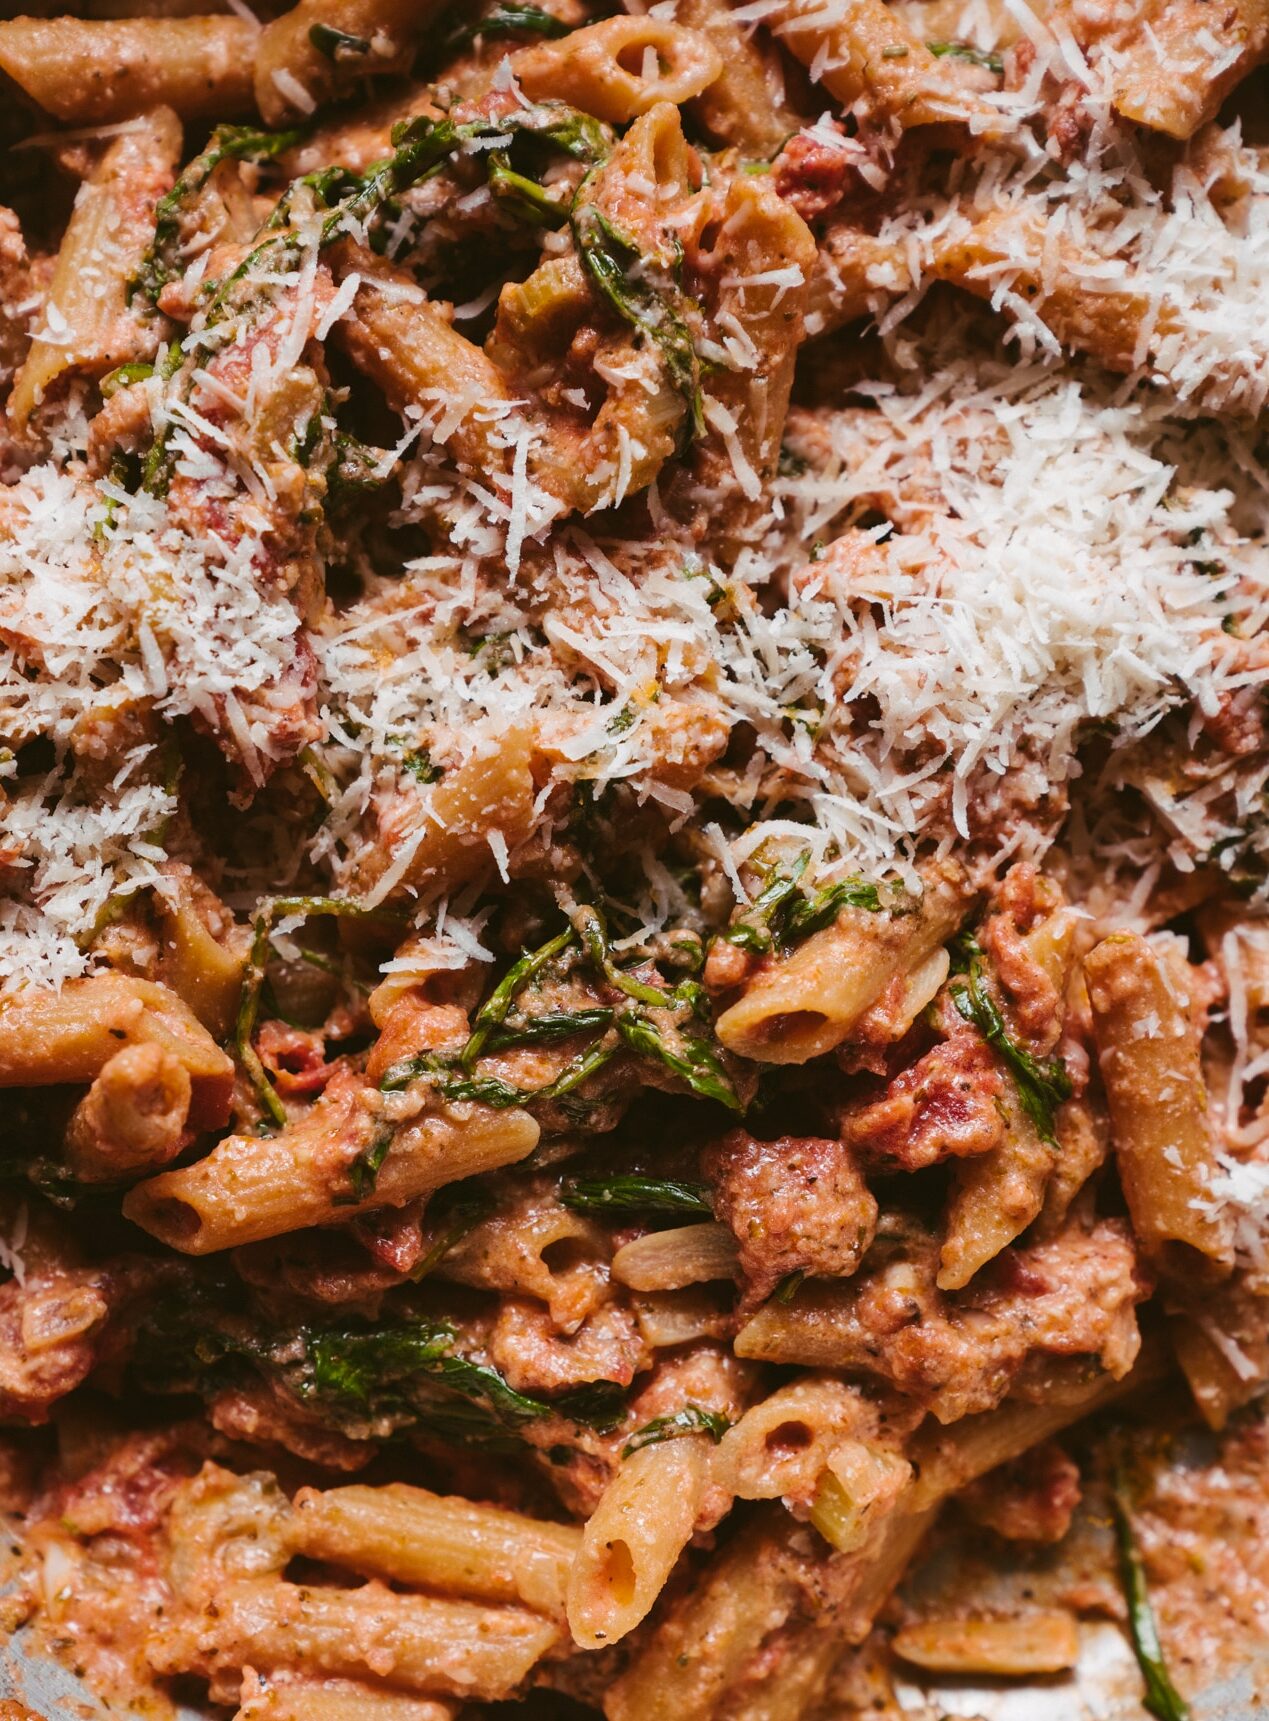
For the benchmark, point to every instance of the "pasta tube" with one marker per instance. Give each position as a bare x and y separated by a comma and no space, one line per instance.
620,68
1148,1048
93,72
252,1187
804,1004
70,1036
450,1544
634,1537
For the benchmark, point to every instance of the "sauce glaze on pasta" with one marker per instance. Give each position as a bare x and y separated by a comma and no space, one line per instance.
632,836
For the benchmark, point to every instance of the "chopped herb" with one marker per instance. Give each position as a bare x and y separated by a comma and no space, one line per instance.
227,143
1042,1083
123,376
615,266
356,466
788,1287
418,763
363,1173
621,722
783,914
1162,1698
510,18
493,1012
894,51
966,51
635,1194
698,1066
557,1025
690,1420
337,44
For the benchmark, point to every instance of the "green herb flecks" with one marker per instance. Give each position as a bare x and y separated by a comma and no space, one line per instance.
338,44
690,1420
1042,1084
363,1173
783,914
696,1064
228,143
383,1370
510,18
617,271
493,1012
635,1194
967,51
1162,1698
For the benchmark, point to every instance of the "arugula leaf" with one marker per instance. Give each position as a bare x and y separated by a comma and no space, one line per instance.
599,1404
614,265
589,924
556,1025
386,1367
690,1420
510,18
1042,1084
699,1068
522,195
635,1194
783,914
354,1366
1162,1698
337,44
363,1173
966,51
228,143
491,1090
493,1012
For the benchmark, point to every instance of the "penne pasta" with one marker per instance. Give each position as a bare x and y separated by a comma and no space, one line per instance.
634,1538
804,1004
321,50
1000,1648
95,72
71,1035
620,68
411,1537
86,312
249,1188
863,52
449,1648
1148,1052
